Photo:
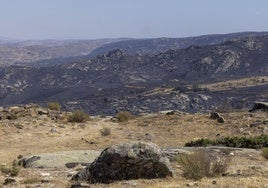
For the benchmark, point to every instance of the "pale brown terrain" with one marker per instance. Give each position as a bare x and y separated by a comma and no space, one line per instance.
40,134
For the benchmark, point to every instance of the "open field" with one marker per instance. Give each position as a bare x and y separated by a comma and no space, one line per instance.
31,136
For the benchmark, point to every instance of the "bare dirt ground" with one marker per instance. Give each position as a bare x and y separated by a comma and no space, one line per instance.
32,136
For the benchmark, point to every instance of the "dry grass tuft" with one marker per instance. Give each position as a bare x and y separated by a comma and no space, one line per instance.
54,106
201,164
105,131
78,116
124,116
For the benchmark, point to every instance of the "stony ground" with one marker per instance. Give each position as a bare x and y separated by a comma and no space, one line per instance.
41,134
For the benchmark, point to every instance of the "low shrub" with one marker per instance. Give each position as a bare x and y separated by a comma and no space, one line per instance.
54,106
10,170
105,131
124,116
235,141
201,164
265,152
78,116
31,181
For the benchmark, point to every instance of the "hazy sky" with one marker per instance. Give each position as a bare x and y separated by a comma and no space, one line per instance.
91,19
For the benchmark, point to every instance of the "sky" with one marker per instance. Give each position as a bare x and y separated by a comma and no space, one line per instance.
93,19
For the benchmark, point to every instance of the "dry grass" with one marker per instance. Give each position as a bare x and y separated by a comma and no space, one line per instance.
105,131
124,116
202,164
78,116
239,83
54,106
166,131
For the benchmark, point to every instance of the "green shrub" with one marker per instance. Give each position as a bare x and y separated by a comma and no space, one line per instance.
12,171
200,164
105,131
54,106
78,116
124,116
235,141
265,153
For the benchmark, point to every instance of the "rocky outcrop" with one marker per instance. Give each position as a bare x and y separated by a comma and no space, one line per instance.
127,161
259,106
217,116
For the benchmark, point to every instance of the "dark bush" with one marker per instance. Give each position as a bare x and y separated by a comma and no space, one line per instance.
235,141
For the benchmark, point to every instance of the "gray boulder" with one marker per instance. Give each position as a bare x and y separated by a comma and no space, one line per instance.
127,161
259,106
214,115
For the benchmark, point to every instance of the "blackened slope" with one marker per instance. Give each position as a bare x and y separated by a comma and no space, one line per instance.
155,46
118,81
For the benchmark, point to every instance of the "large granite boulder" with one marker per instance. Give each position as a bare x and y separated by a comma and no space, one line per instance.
127,161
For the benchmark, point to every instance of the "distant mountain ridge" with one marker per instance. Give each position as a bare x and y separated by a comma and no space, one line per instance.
51,52
29,52
139,83
157,45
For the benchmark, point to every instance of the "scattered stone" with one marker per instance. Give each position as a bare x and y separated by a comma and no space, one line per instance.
214,115
80,185
214,182
265,122
43,117
127,161
191,184
247,133
61,126
9,181
256,123
54,130
75,164
41,111
27,162
171,112
265,130
45,174
259,106
221,119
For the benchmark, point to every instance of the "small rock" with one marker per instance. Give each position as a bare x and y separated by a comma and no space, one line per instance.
9,181
191,184
214,182
45,174
214,115
80,185
27,162
43,117
54,130
41,111
247,133
221,119
265,122
265,130
61,126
